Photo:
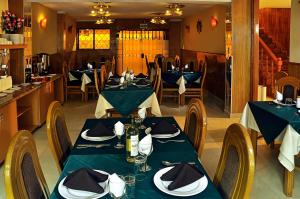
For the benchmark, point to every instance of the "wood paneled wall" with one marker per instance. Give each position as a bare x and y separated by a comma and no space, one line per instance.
241,54
294,69
276,23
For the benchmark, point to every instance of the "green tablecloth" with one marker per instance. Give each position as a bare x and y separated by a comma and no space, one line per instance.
113,161
271,119
126,100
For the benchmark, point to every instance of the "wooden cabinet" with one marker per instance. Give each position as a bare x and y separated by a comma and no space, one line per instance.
46,96
8,126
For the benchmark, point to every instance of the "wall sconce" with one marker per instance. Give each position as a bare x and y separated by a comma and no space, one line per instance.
214,21
43,22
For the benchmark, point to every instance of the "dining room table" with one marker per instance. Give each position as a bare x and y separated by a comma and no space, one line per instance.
112,160
86,76
127,97
181,78
276,121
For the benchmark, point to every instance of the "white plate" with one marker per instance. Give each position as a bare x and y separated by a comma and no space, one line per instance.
185,191
36,83
51,74
138,85
98,139
162,136
3,94
8,91
113,86
282,104
78,194
15,88
25,84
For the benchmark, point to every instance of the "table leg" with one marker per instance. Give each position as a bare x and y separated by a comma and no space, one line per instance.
253,136
288,182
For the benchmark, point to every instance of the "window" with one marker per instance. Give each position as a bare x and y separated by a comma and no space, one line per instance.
94,39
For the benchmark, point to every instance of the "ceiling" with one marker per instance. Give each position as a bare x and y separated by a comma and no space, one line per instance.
126,8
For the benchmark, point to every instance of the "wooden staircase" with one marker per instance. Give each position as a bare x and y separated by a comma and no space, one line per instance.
272,58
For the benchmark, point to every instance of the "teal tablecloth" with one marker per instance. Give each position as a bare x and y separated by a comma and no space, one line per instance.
113,161
78,74
126,100
172,77
271,119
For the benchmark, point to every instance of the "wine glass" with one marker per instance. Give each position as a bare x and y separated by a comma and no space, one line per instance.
144,150
119,134
117,187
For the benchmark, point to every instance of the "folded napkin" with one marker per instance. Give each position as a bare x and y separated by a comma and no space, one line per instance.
145,145
132,76
99,130
112,82
142,113
141,75
181,175
110,75
288,92
86,180
186,66
123,74
163,127
173,67
90,66
279,96
119,128
142,82
116,185
122,79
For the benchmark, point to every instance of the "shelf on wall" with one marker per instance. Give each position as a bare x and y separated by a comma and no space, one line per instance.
12,46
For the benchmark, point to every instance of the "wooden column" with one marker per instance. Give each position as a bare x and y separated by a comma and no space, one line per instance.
241,54
254,49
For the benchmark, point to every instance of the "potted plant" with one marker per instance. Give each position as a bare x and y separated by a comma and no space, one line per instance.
11,25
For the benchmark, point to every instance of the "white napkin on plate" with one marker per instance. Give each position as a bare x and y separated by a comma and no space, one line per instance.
186,66
142,113
279,96
116,185
122,80
173,67
123,74
145,145
90,66
119,128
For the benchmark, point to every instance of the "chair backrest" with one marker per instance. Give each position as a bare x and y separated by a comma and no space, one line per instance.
159,59
148,66
289,81
103,76
196,124
65,72
113,65
280,74
235,171
58,135
22,170
177,61
167,64
193,64
203,74
108,65
157,82
97,81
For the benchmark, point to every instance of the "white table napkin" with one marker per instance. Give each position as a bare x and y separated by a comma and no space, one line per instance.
145,145
122,80
186,66
173,67
132,76
116,185
90,66
279,96
123,74
110,74
119,128
71,77
142,113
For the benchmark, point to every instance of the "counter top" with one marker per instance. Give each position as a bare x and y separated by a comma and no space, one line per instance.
25,90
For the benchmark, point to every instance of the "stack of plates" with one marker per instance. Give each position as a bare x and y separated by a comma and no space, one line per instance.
79,194
188,190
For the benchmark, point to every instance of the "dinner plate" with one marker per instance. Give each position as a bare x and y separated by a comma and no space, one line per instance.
162,136
98,139
78,194
188,190
112,86
36,83
3,94
8,91
25,84
15,88
140,85
282,104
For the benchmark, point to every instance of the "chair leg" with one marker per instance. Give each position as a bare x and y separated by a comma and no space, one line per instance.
86,94
288,182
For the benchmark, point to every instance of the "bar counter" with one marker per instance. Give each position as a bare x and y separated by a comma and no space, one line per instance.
26,109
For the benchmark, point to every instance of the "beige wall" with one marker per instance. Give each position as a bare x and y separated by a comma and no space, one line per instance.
295,32
3,6
275,3
210,39
43,40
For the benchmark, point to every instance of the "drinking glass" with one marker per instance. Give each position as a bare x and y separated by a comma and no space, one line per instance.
146,167
117,189
130,186
119,145
138,167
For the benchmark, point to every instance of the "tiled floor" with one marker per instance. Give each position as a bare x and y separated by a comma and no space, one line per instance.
268,182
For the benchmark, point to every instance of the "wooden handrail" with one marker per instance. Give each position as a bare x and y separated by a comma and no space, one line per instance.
270,53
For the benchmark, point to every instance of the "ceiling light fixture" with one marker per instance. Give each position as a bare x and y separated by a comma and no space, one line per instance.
174,9
101,11
158,20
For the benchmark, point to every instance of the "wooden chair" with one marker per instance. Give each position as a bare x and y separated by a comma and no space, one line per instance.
91,88
193,64
195,89
71,87
157,82
23,175
196,124
58,136
278,75
148,66
167,63
235,171
159,59
97,82
288,81
113,65
103,76
177,61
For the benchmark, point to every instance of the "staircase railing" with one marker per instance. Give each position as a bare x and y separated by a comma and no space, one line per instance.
270,64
